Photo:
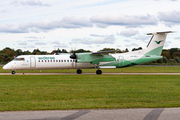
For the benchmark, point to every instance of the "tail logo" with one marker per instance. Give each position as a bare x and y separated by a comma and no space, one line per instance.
158,42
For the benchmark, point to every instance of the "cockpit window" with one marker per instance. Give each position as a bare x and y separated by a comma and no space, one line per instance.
19,59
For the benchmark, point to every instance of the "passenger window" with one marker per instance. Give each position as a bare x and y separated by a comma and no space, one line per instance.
45,60
51,60
67,60
39,60
56,60
64,60
59,60
48,60
42,60
70,60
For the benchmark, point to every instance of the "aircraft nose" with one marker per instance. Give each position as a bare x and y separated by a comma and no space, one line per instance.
5,67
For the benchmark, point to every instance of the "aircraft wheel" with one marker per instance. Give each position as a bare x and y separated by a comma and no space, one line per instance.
79,71
98,72
13,72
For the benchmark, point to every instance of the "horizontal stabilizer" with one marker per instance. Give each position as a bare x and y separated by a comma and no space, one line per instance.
155,33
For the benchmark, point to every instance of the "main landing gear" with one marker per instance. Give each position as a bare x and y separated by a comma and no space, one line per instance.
98,72
79,71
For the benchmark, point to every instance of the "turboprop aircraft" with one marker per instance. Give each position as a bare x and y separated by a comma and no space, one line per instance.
89,60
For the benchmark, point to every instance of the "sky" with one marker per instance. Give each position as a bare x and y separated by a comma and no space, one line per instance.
91,25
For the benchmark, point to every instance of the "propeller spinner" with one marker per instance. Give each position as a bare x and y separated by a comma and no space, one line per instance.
73,56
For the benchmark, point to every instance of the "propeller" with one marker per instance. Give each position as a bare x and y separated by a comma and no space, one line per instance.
73,56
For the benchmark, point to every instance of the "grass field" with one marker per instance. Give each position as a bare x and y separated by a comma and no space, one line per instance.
52,92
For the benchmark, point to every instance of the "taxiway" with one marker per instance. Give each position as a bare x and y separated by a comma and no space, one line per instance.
102,114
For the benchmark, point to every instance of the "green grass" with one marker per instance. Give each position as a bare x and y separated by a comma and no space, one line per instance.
136,69
52,92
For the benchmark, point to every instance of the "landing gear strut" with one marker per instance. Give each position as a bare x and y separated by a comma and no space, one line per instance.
79,71
13,72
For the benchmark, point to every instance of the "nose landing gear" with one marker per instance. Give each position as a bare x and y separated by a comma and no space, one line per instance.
13,72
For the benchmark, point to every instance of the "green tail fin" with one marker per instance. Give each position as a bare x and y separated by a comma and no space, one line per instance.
156,43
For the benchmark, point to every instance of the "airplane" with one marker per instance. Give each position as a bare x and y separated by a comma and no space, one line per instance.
96,60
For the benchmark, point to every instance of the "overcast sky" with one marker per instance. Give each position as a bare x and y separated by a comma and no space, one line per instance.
90,25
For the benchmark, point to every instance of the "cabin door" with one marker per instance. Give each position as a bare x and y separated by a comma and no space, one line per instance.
32,62
121,61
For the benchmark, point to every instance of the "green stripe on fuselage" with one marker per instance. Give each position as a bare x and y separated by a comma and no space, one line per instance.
156,51
127,63
146,59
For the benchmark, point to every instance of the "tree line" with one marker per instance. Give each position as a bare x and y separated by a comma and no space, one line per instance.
7,54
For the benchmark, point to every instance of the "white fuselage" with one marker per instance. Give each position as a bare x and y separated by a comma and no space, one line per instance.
26,62
63,61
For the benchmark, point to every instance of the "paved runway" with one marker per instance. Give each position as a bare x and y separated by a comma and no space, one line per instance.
91,74
103,114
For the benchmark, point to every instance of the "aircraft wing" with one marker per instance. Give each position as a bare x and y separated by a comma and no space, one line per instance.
94,58
103,52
